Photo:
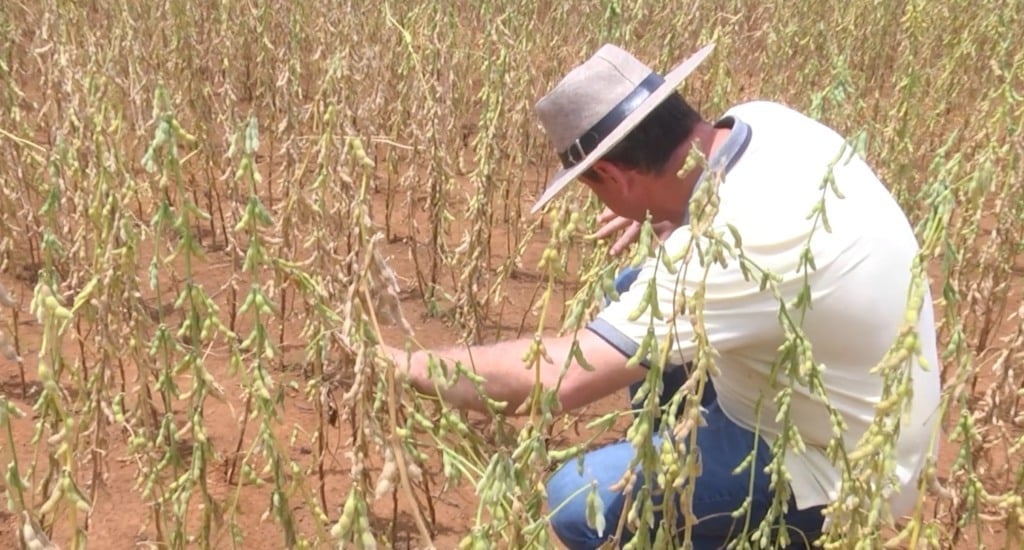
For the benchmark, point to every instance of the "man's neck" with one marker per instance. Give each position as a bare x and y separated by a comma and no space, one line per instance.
707,139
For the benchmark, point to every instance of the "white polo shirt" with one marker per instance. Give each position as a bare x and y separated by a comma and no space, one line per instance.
777,160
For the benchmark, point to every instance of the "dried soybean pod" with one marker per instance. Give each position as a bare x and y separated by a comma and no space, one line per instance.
5,298
32,535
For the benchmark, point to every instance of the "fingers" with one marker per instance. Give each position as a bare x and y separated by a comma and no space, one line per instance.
606,216
612,227
628,237
612,224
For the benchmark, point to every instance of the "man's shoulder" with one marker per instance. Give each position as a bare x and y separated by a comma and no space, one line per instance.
766,115
763,108
783,133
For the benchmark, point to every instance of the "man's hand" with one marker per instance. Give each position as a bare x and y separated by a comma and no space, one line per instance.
612,223
411,367
403,362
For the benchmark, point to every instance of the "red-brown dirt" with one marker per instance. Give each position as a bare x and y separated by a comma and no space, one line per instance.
120,517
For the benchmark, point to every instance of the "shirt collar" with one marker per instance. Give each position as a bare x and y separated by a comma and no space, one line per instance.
727,154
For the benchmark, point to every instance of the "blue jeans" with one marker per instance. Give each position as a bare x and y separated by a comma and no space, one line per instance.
717,492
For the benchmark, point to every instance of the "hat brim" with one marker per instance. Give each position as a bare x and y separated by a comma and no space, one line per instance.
672,80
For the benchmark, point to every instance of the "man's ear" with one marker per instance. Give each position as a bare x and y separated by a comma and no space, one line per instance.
612,174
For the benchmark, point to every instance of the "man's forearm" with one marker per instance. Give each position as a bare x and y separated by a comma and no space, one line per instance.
506,372
503,374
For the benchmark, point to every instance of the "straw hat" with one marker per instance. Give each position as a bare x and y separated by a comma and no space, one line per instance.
598,103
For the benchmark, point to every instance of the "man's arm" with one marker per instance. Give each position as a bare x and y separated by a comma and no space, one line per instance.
506,378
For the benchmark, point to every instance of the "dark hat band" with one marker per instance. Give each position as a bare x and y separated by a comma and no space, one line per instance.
590,139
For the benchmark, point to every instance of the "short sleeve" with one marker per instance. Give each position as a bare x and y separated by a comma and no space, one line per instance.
735,311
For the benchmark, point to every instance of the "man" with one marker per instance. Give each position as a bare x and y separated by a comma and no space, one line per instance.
624,131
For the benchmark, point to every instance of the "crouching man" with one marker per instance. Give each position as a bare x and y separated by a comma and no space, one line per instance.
626,133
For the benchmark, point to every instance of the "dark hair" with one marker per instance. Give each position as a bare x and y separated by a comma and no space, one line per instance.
648,147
